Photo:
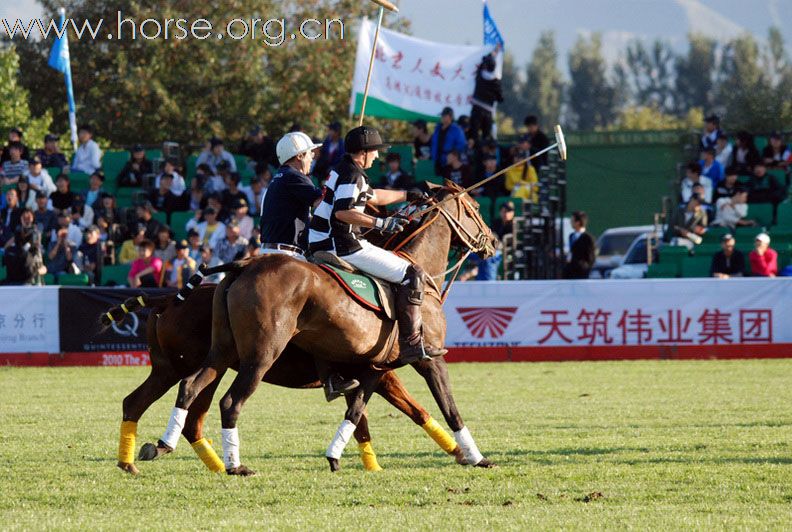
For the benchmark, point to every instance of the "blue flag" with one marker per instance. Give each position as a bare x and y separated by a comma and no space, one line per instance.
491,33
59,60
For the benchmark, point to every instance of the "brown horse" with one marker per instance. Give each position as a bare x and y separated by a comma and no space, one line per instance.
314,314
179,336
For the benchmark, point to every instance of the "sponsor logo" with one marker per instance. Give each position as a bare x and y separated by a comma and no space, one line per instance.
487,320
357,283
129,326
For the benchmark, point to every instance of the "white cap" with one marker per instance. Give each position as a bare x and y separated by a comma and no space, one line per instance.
764,238
293,144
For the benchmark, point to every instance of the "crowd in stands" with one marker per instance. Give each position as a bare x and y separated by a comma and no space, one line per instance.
52,229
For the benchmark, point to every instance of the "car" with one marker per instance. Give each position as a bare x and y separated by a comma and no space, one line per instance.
634,263
612,245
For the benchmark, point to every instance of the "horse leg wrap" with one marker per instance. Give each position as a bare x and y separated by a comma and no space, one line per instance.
208,455
175,426
340,440
442,438
368,457
231,448
469,449
126,443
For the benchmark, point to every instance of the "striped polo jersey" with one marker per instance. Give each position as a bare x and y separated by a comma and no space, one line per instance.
347,188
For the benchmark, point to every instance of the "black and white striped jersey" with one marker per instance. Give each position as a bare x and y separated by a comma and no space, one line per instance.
346,188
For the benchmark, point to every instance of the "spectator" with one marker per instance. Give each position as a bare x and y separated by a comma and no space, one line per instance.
129,249
504,225
763,258
25,195
145,217
745,153
698,188
483,269
232,193
723,151
210,230
688,223
135,169
731,212
26,222
90,255
15,166
457,171
729,186
38,177
232,246
23,260
422,140
582,249
209,258
9,216
194,240
171,166
764,187
496,187
776,154
179,269
729,262
73,231
522,181
711,131
538,141
62,252
710,167
253,248
216,182
50,154
395,178
82,215
95,190
63,197
257,190
107,215
214,202
14,137
692,177
330,153
447,136
259,147
43,216
164,246
163,199
487,92
240,216
88,157
215,154
146,270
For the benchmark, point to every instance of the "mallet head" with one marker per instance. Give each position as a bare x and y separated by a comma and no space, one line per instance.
387,5
561,141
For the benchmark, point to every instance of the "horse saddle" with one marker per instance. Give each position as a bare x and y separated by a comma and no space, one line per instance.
370,292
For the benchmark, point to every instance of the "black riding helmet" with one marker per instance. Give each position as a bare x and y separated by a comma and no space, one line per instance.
363,138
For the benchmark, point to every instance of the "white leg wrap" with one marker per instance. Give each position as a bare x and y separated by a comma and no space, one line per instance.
469,449
340,440
175,426
230,447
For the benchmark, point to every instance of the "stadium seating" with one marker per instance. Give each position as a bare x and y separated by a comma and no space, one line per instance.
485,208
178,220
49,279
115,274
673,254
112,164
71,279
53,171
78,181
662,270
785,214
3,272
714,234
696,266
189,170
762,213
424,170
161,217
154,154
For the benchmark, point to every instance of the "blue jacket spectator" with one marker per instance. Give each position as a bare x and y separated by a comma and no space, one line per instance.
447,136
710,167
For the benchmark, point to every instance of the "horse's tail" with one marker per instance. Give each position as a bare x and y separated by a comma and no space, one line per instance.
131,305
197,278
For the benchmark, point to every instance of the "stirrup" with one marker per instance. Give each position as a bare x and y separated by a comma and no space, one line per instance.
420,352
331,393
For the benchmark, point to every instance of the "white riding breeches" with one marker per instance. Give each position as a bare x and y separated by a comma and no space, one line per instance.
378,262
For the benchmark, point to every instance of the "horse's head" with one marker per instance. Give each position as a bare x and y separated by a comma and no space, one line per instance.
461,212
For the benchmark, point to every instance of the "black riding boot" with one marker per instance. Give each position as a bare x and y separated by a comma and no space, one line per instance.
409,298
334,384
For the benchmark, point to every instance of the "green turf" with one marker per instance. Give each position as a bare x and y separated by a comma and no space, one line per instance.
668,445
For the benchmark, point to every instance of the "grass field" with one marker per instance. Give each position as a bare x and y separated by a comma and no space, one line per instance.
579,445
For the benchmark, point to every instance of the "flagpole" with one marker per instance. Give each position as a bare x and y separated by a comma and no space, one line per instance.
67,76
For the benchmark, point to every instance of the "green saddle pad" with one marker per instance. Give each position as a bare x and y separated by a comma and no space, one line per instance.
360,287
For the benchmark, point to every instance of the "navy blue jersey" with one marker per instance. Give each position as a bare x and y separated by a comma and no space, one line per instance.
286,211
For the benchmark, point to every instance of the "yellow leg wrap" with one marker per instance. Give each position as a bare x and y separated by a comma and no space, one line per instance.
368,457
126,443
439,435
208,455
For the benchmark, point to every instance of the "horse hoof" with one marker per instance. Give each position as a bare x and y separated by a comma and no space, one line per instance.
240,471
149,451
129,468
459,457
486,464
334,464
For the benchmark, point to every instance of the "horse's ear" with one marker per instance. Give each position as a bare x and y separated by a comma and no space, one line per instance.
450,184
432,186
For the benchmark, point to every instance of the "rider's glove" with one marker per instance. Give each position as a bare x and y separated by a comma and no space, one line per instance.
391,224
415,195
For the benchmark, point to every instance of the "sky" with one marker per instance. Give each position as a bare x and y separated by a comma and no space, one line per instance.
521,21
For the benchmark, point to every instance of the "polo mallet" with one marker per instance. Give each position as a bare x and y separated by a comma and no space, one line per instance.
560,143
384,4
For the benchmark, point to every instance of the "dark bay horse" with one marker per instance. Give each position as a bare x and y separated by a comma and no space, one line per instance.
315,314
179,337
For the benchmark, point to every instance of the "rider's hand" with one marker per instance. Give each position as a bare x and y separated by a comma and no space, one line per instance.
415,195
391,224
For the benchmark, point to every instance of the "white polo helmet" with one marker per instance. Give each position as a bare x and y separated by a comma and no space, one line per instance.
293,144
